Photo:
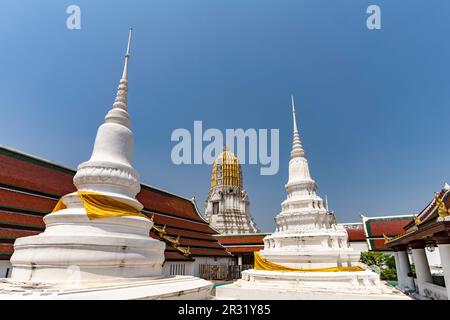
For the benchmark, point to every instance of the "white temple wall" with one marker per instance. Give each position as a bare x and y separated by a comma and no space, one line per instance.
434,261
359,246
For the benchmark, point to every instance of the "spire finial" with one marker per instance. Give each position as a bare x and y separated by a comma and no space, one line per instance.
293,103
121,100
293,113
127,56
297,149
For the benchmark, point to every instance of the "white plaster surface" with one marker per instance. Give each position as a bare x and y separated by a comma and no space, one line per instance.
171,288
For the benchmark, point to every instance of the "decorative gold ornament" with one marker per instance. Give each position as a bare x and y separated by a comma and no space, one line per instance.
185,251
386,238
161,231
173,241
417,220
442,209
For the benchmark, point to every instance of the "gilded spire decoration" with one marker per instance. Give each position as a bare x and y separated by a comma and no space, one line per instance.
226,170
297,148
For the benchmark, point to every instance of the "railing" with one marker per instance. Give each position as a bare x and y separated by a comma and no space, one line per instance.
177,269
222,271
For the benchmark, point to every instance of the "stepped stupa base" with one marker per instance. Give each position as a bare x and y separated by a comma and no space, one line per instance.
313,258
162,288
273,285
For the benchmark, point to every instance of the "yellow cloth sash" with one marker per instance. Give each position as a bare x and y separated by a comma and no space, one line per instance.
266,265
99,206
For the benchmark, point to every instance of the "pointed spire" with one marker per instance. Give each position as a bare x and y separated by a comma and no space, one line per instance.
293,113
121,100
297,149
127,56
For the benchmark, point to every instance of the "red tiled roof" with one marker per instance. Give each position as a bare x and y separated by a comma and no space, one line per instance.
390,226
6,249
30,188
242,243
428,224
163,202
27,221
356,234
256,239
378,245
17,200
20,170
244,249
429,212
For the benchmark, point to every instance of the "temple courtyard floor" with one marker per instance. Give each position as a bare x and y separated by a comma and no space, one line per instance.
233,290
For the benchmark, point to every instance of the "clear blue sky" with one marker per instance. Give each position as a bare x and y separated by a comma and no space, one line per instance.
373,106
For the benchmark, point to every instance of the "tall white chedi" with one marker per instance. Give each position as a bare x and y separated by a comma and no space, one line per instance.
307,235
107,248
308,256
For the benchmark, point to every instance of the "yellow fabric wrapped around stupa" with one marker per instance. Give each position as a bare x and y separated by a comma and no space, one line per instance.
266,265
99,206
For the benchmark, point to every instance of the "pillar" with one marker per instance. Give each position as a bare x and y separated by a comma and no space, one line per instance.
397,264
239,260
403,268
443,242
423,272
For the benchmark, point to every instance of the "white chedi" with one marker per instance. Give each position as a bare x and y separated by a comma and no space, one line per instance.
307,235
109,248
112,257
307,239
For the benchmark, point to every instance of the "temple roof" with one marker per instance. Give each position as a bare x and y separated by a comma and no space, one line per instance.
242,243
376,228
428,223
355,231
31,186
